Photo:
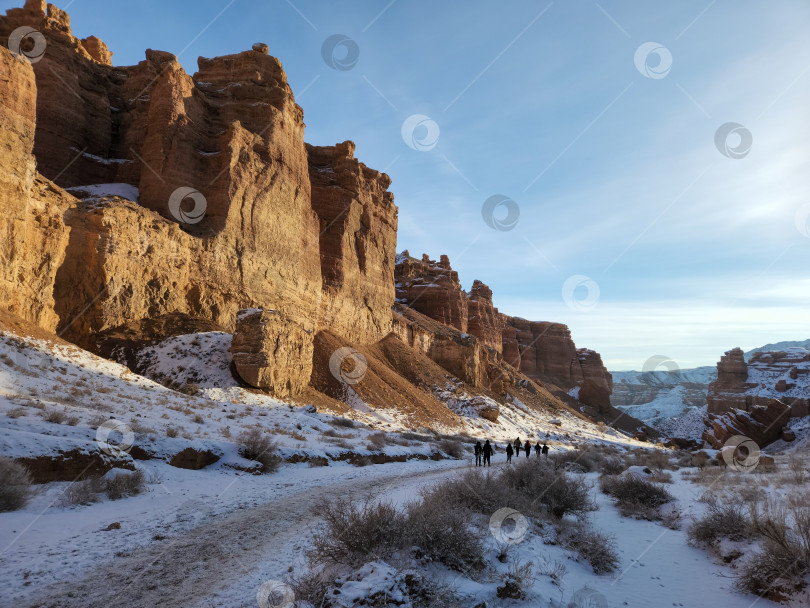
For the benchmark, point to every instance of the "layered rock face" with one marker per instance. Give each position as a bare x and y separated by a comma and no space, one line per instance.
543,351
245,230
763,424
783,375
33,235
358,235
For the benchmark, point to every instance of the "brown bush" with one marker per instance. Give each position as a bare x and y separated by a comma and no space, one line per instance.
15,485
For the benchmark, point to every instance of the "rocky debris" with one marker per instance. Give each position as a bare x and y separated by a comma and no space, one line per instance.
763,424
193,459
271,351
261,47
72,465
767,375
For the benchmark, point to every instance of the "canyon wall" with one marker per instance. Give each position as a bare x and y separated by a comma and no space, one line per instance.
543,351
227,207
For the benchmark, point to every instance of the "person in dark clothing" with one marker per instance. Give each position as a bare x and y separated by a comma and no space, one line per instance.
487,450
509,452
518,445
478,449
528,448
545,449
537,449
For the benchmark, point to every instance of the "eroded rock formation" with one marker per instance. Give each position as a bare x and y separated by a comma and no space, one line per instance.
763,424
766,376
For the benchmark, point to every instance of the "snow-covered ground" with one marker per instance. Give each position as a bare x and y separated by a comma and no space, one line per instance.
211,537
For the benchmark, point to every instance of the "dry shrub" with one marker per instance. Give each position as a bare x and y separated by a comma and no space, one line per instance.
55,416
16,412
257,445
721,521
122,485
597,548
442,532
318,461
780,568
346,423
452,448
636,496
15,485
378,441
517,579
355,533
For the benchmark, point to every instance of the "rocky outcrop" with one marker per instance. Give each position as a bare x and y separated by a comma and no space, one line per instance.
271,351
483,319
358,234
431,288
763,424
766,376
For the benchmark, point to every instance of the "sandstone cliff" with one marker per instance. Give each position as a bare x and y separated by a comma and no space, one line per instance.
247,231
543,351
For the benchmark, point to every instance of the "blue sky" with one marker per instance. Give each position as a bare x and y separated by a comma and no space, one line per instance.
680,250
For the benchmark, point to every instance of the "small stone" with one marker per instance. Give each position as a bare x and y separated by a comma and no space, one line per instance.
113,526
261,47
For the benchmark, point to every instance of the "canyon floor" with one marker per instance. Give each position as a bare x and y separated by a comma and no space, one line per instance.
212,537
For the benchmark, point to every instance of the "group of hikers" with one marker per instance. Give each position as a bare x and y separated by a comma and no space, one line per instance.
483,453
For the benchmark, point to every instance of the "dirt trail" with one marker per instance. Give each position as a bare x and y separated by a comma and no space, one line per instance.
186,569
